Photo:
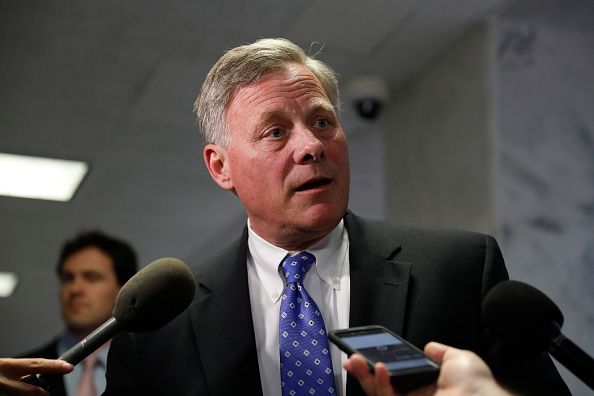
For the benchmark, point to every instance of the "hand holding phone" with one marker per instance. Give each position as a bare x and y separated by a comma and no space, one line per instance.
409,367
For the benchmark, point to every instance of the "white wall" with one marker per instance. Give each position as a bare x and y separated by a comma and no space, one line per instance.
545,166
437,152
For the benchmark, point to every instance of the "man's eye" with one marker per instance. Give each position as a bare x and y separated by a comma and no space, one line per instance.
93,277
322,123
275,133
66,278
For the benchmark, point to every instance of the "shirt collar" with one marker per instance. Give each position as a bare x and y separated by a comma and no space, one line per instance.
330,254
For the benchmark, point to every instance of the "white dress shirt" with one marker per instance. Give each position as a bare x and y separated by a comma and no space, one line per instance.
328,283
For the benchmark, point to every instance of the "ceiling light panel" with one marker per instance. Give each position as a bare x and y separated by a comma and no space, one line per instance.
40,178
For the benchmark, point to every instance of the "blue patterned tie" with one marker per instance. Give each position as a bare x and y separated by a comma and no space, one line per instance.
306,364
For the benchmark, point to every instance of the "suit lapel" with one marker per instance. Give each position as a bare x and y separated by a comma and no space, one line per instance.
379,283
378,290
222,324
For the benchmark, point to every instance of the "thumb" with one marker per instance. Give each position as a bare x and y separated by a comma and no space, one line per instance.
436,350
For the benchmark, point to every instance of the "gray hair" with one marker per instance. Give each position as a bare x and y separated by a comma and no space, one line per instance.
244,65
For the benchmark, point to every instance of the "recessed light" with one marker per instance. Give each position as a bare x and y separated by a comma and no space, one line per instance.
8,282
40,178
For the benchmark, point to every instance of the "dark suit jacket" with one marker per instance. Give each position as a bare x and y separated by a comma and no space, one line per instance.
424,285
50,351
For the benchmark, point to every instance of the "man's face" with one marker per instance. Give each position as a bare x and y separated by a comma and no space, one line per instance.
287,158
88,289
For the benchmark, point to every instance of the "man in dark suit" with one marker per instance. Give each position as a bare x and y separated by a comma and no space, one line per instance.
267,114
91,269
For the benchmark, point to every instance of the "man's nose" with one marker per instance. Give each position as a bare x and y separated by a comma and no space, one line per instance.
77,285
308,146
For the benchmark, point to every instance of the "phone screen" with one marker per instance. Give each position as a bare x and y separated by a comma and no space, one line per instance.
380,346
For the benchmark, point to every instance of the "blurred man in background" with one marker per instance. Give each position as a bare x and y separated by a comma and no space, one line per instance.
91,269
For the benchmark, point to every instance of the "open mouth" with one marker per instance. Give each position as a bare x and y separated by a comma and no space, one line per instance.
313,184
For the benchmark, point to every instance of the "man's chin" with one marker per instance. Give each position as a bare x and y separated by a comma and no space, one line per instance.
322,217
83,326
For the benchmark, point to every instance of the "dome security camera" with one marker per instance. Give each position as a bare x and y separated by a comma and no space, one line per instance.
368,95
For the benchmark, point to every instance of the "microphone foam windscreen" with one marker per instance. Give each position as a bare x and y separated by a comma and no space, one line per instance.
155,295
521,315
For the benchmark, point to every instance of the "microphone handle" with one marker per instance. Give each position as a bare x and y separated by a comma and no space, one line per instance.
78,353
574,359
92,342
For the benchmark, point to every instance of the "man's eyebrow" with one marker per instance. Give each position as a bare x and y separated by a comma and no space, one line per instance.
315,105
321,105
91,272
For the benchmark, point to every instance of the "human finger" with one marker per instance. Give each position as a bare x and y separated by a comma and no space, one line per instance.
383,385
17,368
358,368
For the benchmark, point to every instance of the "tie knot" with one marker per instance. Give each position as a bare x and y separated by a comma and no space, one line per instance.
295,267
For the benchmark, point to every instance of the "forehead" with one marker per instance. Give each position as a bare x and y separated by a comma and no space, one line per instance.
293,82
88,259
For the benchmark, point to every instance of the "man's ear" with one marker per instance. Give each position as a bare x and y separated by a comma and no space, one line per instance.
215,158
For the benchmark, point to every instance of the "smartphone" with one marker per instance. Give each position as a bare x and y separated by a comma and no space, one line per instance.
408,366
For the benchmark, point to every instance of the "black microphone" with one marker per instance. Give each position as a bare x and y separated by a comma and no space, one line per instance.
150,299
523,317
